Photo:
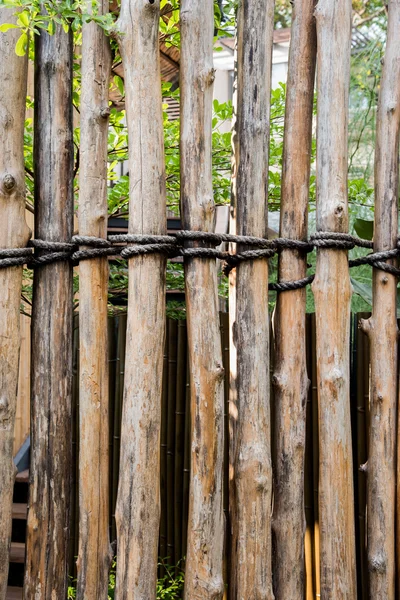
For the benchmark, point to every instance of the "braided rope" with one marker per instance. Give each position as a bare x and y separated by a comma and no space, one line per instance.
182,244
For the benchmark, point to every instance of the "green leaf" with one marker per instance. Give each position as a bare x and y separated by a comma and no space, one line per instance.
364,228
23,18
21,45
6,26
362,289
51,28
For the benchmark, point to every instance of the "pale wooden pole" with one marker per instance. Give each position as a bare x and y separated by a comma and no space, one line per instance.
332,293
203,579
382,329
14,233
290,378
94,548
138,504
252,469
51,392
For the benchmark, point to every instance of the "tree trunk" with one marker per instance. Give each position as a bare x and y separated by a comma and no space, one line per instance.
94,548
203,579
138,504
332,293
290,378
51,467
252,471
14,233
382,329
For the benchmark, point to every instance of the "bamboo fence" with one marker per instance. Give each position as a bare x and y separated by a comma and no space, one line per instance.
238,451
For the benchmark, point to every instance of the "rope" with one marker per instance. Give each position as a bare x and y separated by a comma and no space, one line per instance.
186,244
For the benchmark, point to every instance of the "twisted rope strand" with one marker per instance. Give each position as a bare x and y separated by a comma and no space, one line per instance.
126,246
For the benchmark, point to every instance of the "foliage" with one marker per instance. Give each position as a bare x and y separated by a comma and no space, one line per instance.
169,586
368,48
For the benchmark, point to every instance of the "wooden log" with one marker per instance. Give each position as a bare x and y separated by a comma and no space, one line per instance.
14,233
382,329
94,555
203,578
138,503
290,377
332,293
252,470
51,465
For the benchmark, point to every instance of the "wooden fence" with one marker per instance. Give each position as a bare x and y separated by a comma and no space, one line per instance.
267,473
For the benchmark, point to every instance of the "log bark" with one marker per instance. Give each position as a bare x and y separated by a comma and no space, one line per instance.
51,389
290,378
94,548
14,233
252,469
382,329
203,578
332,293
138,504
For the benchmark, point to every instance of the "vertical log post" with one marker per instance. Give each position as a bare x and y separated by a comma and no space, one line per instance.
252,470
203,579
138,503
290,378
382,329
51,467
332,293
14,233
94,549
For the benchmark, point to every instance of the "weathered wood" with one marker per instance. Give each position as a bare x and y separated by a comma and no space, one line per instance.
94,549
252,469
332,293
203,578
382,329
51,466
290,378
138,504
14,233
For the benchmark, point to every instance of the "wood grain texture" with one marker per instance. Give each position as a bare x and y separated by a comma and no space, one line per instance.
51,383
14,233
203,577
138,504
252,469
94,548
290,377
332,293
382,329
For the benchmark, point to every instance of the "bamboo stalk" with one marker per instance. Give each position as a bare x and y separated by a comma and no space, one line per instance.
308,478
51,466
315,454
186,463
172,351
163,457
179,436
203,578
119,388
112,378
14,233
290,377
252,471
382,329
94,556
362,366
332,293
138,503
74,492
